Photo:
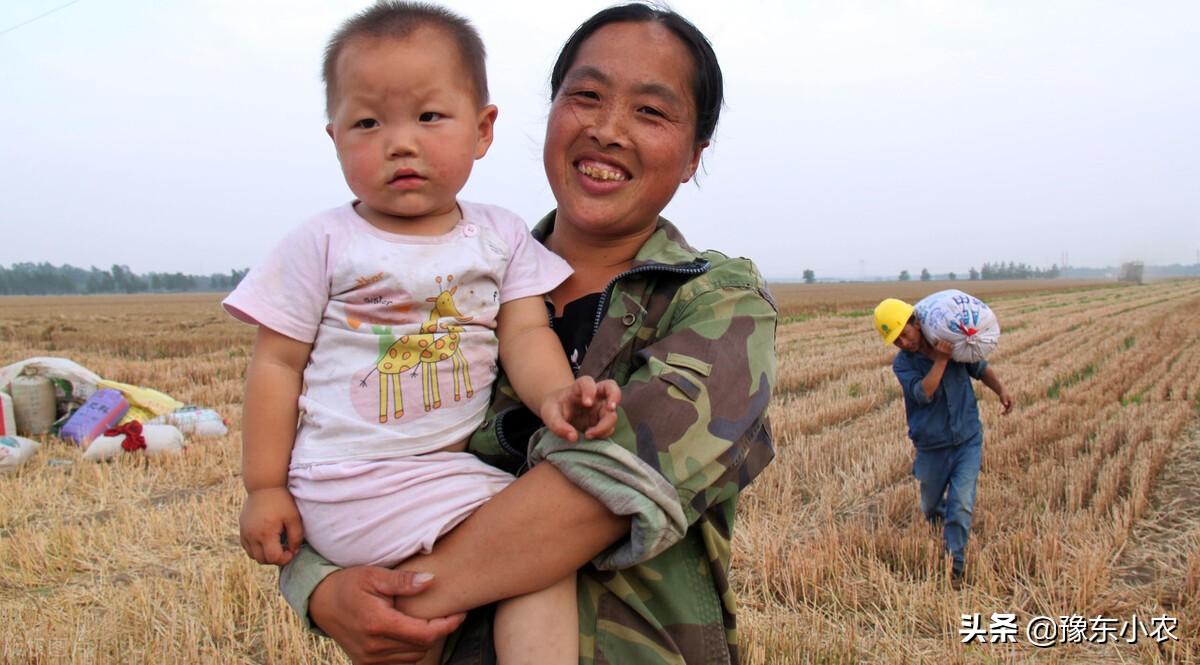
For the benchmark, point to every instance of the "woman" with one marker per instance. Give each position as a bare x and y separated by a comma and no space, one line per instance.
645,516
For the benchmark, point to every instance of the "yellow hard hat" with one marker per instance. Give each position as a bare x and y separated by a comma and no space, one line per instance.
890,317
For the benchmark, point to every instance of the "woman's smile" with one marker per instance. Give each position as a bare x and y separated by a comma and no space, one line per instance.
600,170
599,178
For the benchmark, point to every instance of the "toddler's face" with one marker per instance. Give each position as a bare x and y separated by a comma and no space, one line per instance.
408,129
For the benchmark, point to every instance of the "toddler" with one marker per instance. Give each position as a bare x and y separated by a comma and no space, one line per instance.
380,321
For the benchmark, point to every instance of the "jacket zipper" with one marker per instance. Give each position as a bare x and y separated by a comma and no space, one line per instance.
698,267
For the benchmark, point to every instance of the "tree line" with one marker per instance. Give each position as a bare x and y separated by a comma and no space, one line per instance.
38,279
1000,270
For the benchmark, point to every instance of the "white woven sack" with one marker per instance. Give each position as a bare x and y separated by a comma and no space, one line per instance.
963,320
160,439
55,368
15,451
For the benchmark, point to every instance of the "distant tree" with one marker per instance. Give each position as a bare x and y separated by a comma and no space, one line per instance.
809,276
120,275
973,275
925,276
952,277
99,281
127,281
904,276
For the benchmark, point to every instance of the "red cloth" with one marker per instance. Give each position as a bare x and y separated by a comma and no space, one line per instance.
133,435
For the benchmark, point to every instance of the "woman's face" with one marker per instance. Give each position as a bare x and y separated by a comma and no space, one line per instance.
621,134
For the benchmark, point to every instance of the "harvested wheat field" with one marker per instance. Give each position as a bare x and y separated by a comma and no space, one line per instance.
1087,503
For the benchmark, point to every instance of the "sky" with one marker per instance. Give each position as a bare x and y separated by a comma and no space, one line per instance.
859,138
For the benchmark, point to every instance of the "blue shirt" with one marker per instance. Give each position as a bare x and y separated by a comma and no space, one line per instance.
951,416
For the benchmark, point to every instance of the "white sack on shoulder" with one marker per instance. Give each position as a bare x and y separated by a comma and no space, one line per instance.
966,322
160,439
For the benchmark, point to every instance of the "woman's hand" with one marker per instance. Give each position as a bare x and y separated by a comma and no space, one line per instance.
267,513
354,606
584,405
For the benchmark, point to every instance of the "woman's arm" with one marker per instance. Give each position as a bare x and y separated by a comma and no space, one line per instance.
537,531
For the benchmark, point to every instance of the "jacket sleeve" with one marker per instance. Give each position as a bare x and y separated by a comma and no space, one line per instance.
300,578
975,369
688,418
910,377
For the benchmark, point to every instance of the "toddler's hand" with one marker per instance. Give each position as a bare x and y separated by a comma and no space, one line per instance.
268,513
584,405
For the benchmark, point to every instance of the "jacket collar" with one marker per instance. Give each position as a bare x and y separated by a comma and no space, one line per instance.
665,246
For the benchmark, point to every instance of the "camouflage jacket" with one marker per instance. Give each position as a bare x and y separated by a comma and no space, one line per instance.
690,337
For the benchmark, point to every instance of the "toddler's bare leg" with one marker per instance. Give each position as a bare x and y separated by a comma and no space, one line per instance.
539,628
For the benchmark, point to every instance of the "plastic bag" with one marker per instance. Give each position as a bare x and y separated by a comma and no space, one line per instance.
158,439
144,403
15,451
963,320
196,421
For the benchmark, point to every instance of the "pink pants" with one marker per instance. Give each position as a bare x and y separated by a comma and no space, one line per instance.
381,512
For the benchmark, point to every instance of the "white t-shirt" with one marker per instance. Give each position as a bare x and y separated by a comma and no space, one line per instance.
402,327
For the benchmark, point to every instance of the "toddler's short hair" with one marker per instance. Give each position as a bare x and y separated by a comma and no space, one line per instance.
394,19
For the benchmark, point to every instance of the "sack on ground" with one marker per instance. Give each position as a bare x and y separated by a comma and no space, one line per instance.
153,439
963,320
102,410
196,421
52,367
15,451
8,419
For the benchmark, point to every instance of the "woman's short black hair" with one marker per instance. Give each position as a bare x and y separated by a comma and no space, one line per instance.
707,85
